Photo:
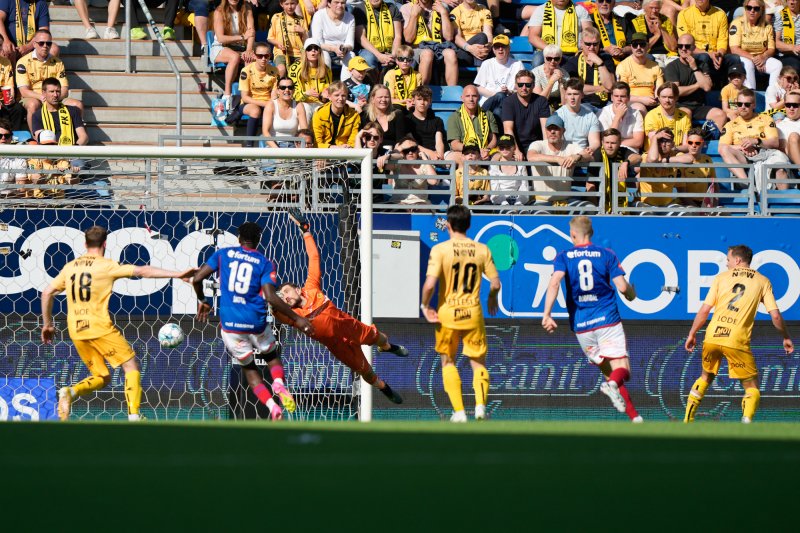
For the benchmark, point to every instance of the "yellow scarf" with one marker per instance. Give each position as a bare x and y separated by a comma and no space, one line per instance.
595,78
787,19
64,120
286,42
401,90
380,35
640,26
435,33
26,33
618,32
569,28
470,135
610,178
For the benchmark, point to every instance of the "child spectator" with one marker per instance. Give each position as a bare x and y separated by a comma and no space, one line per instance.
472,152
402,80
287,32
730,93
358,90
506,146
787,82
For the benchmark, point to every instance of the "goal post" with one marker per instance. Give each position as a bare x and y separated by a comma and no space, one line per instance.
171,206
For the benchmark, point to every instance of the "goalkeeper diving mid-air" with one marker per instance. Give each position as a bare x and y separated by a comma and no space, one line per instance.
339,332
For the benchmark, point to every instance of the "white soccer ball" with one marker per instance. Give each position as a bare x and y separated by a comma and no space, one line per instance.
170,335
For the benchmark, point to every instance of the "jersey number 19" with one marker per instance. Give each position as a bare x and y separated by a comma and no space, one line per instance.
239,280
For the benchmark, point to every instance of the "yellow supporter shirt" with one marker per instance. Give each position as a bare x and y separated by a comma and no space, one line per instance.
31,72
295,27
474,185
87,282
709,29
680,124
650,187
346,131
730,94
6,73
301,87
735,296
258,84
752,39
758,127
697,171
460,265
60,175
471,21
643,79
409,84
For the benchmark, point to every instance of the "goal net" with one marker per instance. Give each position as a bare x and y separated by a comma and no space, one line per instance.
172,208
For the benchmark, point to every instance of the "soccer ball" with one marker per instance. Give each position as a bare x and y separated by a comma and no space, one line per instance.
170,336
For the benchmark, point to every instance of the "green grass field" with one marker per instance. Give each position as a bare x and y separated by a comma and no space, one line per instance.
399,475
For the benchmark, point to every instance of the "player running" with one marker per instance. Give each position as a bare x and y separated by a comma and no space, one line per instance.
247,282
88,281
458,266
591,274
339,332
734,295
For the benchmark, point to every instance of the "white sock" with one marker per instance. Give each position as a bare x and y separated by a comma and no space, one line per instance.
271,404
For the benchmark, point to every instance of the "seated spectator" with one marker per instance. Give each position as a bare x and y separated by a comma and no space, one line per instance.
379,31
582,126
428,28
550,77
643,75
403,176
508,189
473,26
472,152
659,30
667,115
306,139
335,29
358,86
311,77
776,93
234,38
371,137
82,7
309,7
18,38
495,79
283,117
524,114
403,79
612,32
709,27
789,127
611,152
13,111
257,85
662,150
693,78
753,41
58,116
12,169
619,115
562,157
752,138
287,32
700,170
427,129
787,38
53,172
730,93
471,125
379,109
139,19
596,73
558,22
34,68
336,124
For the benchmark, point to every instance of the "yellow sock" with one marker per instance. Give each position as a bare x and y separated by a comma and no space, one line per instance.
133,391
452,386
752,397
85,386
694,399
480,383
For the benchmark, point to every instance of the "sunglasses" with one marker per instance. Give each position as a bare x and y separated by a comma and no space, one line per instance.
44,43
6,135
753,8
313,48
694,143
596,43
552,59
405,59
524,84
409,150
745,104
370,137
685,46
792,105
790,78
605,1
639,44
285,87
262,56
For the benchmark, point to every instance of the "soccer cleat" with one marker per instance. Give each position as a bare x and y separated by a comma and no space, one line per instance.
459,417
298,217
64,403
610,389
136,418
168,33
746,420
398,349
276,413
637,420
91,33
480,412
286,398
110,33
389,393
138,34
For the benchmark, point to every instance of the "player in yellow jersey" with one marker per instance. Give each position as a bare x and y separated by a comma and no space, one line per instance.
734,296
87,281
458,266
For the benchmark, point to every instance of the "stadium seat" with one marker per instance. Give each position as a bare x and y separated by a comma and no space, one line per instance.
712,148
447,93
521,49
761,101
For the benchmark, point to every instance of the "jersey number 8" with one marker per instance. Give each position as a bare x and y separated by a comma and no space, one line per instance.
585,277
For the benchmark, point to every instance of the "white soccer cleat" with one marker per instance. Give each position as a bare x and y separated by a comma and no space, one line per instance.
459,417
480,412
64,403
746,420
637,420
610,389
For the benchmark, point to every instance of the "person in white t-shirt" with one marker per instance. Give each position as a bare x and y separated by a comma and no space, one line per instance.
618,114
495,79
561,155
789,127
509,189
335,28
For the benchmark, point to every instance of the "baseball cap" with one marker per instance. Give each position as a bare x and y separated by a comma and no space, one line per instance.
506,140
501,39
311,41
554,120
47,137
639,36
736,68
358,63
471,148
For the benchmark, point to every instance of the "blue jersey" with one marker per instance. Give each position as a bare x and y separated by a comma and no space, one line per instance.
242,272
591,295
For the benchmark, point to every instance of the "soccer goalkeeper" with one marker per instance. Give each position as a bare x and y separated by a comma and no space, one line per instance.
339,332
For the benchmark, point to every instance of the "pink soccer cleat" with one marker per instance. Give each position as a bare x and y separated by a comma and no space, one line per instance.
276,413
286,397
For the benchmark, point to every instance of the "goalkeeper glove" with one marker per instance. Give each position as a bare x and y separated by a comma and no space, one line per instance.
299,219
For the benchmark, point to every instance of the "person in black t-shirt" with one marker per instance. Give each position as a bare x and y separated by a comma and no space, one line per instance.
524,114
427,129
610,152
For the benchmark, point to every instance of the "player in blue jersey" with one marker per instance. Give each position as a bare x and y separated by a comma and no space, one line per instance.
247,284
591,274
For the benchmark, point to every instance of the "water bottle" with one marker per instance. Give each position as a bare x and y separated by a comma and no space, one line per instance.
219,109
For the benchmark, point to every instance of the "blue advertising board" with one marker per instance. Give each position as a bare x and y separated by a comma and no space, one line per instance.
30,398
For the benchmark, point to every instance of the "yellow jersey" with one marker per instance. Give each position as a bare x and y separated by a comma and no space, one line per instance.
293,30
752,39
474,185
31,72
735,296
758,127
62,177
730,94
87,281
471,21
6,73
643,79
301,86
697,171
709,29
409,83
258,84
680,124
650,187
460,264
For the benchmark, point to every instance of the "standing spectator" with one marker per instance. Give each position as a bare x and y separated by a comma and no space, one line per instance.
82,7
524,114
562,157
14,112
659,30
427,129
667,115
789,128
403,79
709,27
611,152
138,19
36,67
471,125
473,25
335,123
335,29
18,36
550,77
311,77
287,32
753,41
12,169
495,79
642,74
730,93
693,78
379,109
557,22
417,176
59,116
428,28
787,38
510,188
596,73
379,31
619,115
234,37
582,126
283,116
257,85
776,93
612,31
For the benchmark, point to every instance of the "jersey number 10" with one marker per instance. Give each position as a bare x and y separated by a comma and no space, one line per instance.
470,271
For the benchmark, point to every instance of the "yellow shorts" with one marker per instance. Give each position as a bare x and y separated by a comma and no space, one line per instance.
741,363
112,348
474,341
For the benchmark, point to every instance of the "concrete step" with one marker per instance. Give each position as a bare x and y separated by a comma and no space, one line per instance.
114,63
67,13
117,47
76,30
141,81
140,99
197,116
148,134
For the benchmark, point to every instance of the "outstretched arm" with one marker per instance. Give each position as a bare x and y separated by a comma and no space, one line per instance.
147,271
625,288
314,271
699,320
780,325
550,298
48,330
300,322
